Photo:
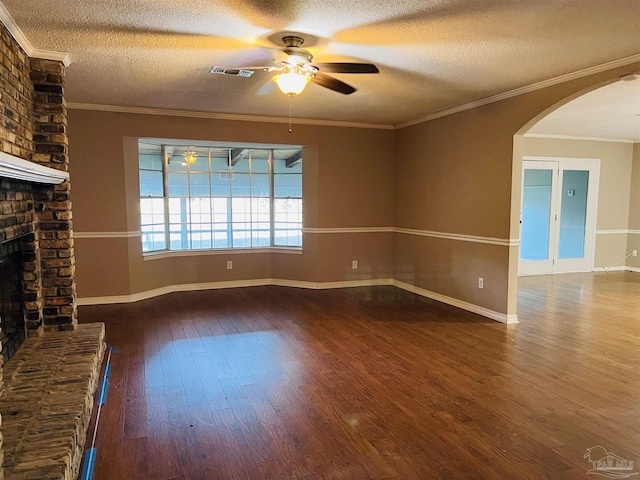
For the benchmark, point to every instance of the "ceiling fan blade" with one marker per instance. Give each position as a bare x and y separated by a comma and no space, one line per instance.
332,84
343,67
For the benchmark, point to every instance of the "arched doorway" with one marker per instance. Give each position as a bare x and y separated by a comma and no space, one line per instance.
545,159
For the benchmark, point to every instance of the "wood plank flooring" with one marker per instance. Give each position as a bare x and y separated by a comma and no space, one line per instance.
370,383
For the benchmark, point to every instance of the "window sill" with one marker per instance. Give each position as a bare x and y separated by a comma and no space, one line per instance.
226,251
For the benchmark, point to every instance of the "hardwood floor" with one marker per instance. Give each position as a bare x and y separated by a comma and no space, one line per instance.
370,383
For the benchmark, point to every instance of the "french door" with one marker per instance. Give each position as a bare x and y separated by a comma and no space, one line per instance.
558,215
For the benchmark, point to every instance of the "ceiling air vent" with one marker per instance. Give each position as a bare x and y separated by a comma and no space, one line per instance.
231,71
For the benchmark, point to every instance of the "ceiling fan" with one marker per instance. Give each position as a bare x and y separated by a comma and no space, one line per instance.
295,70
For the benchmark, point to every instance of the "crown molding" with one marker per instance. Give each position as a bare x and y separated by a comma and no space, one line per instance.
220,116
14,29
522,90
24,43
62,57
575,137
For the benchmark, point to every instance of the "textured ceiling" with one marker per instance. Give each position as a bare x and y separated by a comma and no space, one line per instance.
432,54
610,112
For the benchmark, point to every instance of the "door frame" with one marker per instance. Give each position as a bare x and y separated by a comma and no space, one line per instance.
571,163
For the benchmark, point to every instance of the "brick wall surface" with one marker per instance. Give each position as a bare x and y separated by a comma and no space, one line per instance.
17,208
16,98
17,199
33,126
53,205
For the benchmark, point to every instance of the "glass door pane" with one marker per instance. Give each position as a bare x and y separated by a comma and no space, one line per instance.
573,214
536,214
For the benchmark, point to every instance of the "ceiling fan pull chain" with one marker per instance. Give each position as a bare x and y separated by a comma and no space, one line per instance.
290,101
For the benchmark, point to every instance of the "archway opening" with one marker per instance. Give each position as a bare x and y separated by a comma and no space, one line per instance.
576,187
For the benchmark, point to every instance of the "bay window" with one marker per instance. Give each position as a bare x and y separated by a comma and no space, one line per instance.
218,197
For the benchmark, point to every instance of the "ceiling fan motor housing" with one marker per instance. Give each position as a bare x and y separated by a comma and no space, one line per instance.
295,54
298,56
292,41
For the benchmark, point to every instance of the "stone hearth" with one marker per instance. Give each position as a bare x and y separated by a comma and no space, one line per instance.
47,403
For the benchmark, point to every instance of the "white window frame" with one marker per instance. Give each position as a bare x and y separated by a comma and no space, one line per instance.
273,246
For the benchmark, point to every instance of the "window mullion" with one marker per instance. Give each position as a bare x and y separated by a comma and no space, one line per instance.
250,200
230,201
211,215
165,196
187,210
271,200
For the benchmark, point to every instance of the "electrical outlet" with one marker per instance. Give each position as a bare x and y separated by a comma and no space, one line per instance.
354,265
229,265
634,253
480,282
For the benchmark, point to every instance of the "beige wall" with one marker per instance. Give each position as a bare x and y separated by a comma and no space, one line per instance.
460,174
453,176
451,268
348,182
614,187
633,242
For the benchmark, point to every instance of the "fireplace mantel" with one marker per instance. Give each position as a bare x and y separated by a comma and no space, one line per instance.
20,169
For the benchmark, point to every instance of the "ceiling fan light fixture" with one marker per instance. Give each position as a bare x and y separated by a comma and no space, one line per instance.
291,83
190,157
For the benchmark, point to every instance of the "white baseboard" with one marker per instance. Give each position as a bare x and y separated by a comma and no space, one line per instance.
617,268
136,297
470,307
370,282
185,287
189,287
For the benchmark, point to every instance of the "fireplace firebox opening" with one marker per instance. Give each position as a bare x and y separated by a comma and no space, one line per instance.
12,320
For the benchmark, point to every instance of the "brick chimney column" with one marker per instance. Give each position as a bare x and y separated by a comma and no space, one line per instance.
53,204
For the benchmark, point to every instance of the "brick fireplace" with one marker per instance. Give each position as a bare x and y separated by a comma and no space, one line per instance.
37,235
34,128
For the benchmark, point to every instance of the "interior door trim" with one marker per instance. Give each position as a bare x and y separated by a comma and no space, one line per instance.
574,163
